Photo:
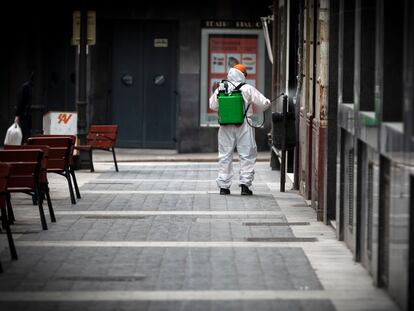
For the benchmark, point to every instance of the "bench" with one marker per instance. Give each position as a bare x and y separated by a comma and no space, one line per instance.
24,178
101,137
4,177
43,181
71,159
59,157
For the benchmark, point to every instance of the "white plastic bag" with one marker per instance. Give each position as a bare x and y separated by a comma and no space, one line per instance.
14,135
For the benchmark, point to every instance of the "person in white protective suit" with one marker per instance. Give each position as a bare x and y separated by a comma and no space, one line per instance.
240,136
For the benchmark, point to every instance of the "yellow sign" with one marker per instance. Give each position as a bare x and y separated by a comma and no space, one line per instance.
91,28
160,42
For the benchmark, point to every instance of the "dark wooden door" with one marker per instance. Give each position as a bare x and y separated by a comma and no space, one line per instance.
144,82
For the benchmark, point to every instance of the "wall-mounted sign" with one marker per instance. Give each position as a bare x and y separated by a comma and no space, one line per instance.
91,28
160,42
221,50
231,24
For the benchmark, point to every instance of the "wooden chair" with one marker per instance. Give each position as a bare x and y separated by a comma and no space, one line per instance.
71,160
43,181
24,177
4,177
59,157
101,137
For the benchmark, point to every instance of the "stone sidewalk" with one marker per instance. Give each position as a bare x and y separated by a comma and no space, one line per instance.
158,236
157,155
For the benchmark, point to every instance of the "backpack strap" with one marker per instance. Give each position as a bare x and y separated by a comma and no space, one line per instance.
239,86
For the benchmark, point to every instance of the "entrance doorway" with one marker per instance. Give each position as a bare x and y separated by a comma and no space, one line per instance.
384,225
144,84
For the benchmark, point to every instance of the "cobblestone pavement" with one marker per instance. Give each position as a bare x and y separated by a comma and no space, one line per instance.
158,236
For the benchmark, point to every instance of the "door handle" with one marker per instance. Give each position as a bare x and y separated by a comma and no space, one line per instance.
159,80
127,80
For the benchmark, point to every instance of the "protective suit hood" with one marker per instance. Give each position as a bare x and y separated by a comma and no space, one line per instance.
236,75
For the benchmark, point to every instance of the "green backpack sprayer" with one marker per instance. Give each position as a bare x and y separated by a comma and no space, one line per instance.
231,106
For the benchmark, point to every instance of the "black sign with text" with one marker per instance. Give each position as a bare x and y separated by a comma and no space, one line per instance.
231,24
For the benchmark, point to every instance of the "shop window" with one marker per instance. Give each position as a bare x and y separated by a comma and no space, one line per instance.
348,36
409,71
393,44
367,52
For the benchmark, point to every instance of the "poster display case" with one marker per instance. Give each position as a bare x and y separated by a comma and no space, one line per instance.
221,49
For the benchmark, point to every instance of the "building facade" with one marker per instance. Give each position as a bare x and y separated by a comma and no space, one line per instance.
350,75
149,66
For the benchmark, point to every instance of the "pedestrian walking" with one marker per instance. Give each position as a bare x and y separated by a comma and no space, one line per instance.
23,115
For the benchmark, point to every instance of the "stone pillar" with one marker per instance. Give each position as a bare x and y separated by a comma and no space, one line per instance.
321,108
38,96
82,98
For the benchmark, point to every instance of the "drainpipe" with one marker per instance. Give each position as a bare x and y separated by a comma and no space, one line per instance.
275,41
265,20
330,177
298,96
38,106
82,101
322,93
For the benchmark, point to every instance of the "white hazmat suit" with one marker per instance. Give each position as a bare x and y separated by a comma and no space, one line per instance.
240,136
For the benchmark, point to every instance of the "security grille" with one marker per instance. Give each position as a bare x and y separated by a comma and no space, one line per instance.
370,202
411,255
383,222
351,189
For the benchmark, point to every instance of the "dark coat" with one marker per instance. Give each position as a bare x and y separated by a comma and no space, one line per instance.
25,100
23,109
